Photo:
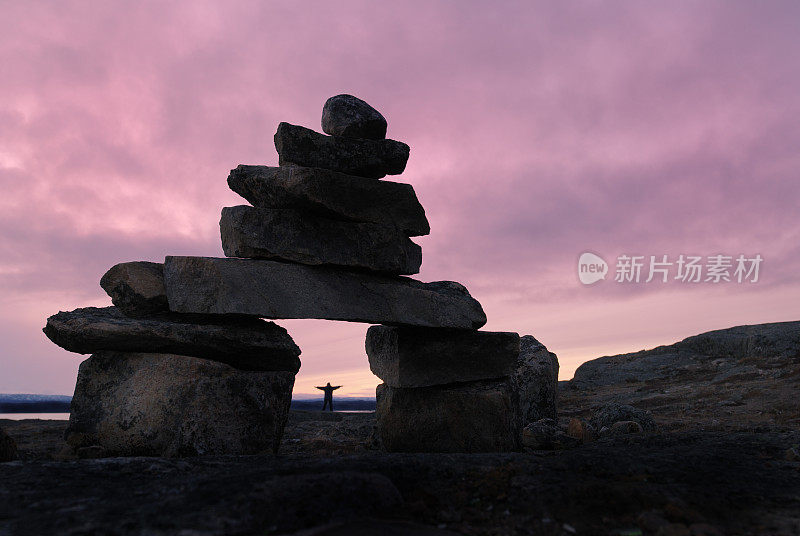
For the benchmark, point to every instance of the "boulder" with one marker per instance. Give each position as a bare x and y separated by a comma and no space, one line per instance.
146,404
287,234
613,412
244,343
331,194
581,430
365,158
137,288
269,289
467,417
346,115
422,357
8,447
545,434
536,380
625,427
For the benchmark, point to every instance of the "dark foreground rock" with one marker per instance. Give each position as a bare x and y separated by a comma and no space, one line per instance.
246,343
421,357
721,461
290,235
165,405
467,417
331,194
8,447
536,380
365,158
137,287
346,115
269,289
736,482
35,439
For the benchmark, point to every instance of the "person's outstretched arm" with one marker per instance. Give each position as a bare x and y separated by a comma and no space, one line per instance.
336,386
321,388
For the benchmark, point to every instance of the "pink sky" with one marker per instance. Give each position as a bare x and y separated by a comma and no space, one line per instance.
537,132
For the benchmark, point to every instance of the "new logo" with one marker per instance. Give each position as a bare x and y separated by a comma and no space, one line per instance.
591,268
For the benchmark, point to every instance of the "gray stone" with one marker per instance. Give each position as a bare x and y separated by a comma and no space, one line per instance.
581,430
422,357
8,447
612,413
244,343
137,288
269,289
145,404
286,234
346,115
365,158
539,435
536,380
331,194
467,417
545,434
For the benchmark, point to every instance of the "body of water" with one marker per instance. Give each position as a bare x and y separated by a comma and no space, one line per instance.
42,416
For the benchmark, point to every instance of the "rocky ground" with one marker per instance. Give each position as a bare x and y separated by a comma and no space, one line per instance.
744,377
723,459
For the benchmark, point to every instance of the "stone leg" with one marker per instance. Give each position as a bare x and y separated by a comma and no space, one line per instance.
144,404
481,416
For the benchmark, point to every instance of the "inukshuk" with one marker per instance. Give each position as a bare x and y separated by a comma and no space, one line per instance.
184,363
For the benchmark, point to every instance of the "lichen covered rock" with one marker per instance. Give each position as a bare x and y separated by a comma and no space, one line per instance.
478,416
141,404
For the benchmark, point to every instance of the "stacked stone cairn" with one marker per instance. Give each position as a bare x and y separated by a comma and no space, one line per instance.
184,363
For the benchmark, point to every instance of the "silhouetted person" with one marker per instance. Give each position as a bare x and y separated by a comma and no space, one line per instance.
329,389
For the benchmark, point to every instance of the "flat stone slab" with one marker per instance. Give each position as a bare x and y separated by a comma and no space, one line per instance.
270,289
331,194
149,404
465,417
137,287
346,115
365,158
244,343
290,235
422,357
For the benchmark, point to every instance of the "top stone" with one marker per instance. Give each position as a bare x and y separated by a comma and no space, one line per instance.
346,115
353,156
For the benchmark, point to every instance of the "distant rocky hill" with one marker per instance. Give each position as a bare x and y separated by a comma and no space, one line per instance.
769,342
29,403
342,403
740,376
33,398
